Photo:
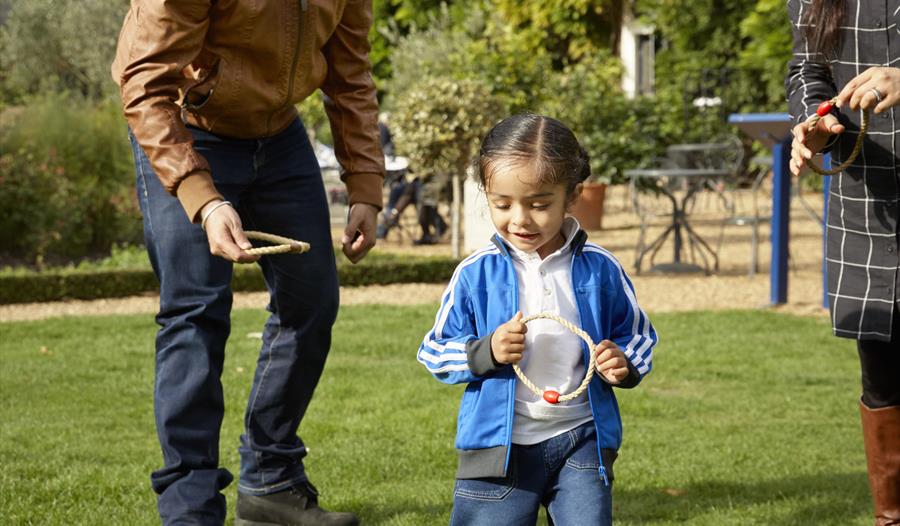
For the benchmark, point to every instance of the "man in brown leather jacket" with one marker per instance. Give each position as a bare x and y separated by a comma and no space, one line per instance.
209,91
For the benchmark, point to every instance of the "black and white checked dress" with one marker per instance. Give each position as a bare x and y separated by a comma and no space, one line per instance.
862,237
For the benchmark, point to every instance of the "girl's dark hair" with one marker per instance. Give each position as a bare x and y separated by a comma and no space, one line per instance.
547,144
822,26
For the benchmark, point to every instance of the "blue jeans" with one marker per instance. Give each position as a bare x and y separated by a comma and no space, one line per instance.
561,473
275,185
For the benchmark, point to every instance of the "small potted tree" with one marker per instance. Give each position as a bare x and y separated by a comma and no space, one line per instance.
439,124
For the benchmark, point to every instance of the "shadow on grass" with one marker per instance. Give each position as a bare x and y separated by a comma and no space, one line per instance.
839,499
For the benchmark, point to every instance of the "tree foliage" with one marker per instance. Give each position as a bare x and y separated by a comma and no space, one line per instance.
394,19
59,45
440,123
618,133
716,58
446,71
568,29
478,47
66,179
767,33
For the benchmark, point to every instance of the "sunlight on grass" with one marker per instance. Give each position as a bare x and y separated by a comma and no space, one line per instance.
747,418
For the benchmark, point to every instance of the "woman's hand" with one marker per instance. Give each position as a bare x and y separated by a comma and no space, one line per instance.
611,362
858,93
806,144
508,341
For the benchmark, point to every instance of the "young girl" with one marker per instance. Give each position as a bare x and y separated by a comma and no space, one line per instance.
517,451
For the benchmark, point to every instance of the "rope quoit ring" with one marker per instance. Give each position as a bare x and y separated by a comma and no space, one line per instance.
283,245
823,110
549,395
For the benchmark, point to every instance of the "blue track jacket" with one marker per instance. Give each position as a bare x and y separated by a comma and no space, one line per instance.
483,294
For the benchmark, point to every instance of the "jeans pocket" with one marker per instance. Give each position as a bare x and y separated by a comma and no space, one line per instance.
490,488
583,464
584,454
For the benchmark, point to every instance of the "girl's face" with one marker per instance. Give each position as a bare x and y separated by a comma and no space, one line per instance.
525,212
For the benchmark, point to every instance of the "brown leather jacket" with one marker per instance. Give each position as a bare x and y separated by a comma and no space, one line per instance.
237,68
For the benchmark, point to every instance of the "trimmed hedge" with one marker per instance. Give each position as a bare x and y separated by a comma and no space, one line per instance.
54,286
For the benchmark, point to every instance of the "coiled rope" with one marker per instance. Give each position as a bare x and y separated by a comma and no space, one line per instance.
823,109
549,395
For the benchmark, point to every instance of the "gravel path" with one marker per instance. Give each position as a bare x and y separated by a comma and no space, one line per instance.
402,294
656,293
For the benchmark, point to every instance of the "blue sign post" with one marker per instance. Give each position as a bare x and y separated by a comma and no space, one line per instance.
781,221
773,130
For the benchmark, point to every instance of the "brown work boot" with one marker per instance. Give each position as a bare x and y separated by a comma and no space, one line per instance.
881,435
296,506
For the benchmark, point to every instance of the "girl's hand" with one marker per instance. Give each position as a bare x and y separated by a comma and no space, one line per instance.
508,341
858,92
805,145
611,362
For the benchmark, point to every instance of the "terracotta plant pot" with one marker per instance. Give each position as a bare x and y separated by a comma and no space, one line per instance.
588,210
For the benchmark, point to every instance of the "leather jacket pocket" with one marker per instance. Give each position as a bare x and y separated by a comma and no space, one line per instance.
198,94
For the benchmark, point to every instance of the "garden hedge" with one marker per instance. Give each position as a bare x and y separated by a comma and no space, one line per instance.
53,286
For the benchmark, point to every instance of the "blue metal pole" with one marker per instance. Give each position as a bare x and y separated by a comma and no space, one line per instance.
826,184
781,204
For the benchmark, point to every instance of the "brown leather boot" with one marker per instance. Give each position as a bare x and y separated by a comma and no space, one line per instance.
881,435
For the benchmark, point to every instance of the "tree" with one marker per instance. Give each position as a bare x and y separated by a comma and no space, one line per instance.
703,42
59,45
479,46
618,133
569,29
767,33
395,19
439,123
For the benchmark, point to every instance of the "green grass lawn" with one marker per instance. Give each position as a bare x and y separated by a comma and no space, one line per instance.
749,418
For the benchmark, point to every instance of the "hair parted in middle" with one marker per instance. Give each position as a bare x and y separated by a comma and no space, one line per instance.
543,143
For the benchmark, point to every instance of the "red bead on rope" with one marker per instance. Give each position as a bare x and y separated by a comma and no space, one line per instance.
824,108
551,396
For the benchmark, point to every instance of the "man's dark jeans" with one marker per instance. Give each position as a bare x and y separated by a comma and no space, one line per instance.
275,185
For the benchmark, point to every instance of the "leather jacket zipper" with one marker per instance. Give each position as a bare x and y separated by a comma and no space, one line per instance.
290,90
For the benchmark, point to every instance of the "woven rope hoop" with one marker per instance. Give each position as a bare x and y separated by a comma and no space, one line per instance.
283,245
590,366
863,127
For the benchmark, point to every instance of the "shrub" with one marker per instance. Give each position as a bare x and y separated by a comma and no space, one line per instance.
53,45
25,287
476,46
617,132
440,122
66,179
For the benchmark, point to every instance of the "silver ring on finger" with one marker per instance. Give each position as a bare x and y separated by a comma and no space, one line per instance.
878,96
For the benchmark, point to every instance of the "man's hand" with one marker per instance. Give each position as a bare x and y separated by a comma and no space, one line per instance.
611,362
805,145
225,233
359,236
508,341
